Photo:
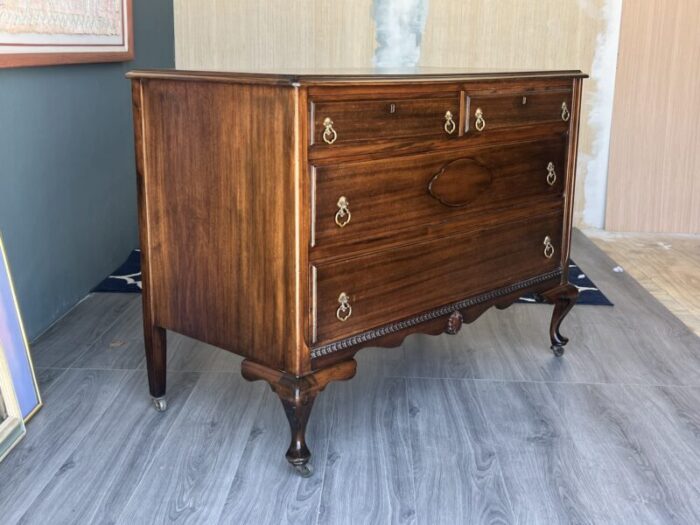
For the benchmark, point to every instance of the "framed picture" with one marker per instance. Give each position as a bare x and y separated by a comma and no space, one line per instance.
48,32
11,421
14,346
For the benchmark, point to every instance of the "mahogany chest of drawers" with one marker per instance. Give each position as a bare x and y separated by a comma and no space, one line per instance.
294,219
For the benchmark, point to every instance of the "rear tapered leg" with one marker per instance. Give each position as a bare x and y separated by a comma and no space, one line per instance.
156,350
563,298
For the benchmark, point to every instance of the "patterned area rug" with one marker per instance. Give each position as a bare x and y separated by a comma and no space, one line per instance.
127,279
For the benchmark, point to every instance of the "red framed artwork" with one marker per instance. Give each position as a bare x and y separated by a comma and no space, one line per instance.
48,32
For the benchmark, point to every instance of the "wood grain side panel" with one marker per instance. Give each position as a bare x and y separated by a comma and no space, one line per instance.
220,195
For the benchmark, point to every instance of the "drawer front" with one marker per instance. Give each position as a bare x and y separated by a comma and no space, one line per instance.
345,122
492,112
361,293
363,201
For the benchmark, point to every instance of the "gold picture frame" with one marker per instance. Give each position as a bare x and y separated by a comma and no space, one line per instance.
12,428
20,375
37,39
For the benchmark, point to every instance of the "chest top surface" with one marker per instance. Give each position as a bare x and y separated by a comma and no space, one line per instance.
354,75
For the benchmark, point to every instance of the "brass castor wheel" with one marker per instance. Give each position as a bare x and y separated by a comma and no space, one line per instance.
305,471
160,403
558,350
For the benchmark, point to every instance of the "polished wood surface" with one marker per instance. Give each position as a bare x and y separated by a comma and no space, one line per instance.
298,396
366,120
372,77
206,183
402,197
398,283
295,219
503,111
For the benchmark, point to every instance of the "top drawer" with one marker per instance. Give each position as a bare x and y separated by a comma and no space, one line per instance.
498,111
353,121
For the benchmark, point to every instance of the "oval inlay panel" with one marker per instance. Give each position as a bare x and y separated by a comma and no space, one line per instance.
460,182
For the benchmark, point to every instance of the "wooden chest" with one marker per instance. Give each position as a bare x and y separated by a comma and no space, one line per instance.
294,219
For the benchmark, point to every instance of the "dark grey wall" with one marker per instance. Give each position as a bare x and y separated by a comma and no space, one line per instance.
67,182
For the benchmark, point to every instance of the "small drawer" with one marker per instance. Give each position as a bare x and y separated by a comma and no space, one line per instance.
361,293
493,112
360,202
335,123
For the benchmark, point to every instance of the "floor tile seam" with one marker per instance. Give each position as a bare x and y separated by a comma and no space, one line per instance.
516,381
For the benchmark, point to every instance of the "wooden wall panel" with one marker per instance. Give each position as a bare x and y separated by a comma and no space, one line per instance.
510,34
654,173
248,35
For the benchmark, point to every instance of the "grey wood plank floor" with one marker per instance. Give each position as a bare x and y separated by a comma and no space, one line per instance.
483,427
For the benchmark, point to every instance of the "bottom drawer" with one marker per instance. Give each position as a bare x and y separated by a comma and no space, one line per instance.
361,293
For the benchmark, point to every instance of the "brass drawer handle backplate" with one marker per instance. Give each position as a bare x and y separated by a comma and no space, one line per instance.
343,215
551,174
450,125
329,134
480,123
565,113
548,247
344,311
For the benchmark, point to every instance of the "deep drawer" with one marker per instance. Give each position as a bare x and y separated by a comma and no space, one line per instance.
361,293
335,123
359,202
497,111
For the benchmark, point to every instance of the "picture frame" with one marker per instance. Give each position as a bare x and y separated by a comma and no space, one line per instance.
15,346
52,32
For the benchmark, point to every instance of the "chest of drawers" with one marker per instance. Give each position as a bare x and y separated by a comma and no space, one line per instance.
295,219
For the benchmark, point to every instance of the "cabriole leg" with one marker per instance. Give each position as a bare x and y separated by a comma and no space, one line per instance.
298,411
563,298
298,395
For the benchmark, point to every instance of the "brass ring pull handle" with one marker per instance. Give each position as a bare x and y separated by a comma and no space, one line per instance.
344,311
565,113
480,123
450,125
343,215
548,247
329,134
551,174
